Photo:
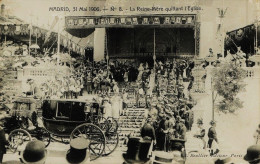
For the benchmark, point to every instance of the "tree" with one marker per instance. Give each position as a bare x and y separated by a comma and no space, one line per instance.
228,81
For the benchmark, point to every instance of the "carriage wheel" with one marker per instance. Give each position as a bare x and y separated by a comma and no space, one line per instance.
18,138
112,125
44,136
112,140
96,137
101,122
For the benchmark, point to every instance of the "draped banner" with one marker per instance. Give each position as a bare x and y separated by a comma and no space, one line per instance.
55,21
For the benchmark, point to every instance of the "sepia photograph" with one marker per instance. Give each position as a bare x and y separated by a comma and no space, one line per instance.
129,81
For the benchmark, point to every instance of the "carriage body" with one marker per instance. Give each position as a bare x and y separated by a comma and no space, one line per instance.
65,119
19,112
60,117
24,107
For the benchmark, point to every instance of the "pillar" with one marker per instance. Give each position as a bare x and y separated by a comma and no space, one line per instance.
99,46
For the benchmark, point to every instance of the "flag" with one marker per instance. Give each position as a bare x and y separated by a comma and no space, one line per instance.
55,21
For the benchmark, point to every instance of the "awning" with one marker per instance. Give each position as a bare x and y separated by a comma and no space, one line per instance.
82,26
243,37
80,33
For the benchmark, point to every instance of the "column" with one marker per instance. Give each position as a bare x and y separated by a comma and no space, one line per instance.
99,46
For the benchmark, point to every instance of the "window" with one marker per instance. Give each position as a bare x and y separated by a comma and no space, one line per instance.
64,109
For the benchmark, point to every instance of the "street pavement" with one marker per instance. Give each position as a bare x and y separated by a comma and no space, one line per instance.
57,153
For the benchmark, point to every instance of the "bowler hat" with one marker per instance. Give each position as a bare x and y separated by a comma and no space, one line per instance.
253,153
78,150
34,153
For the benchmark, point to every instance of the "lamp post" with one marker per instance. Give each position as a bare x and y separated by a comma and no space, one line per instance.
221,15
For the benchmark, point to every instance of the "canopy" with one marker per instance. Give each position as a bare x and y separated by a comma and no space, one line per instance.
243,37
20,30
82,26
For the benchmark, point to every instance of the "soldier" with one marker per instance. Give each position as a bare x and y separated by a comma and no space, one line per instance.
212,135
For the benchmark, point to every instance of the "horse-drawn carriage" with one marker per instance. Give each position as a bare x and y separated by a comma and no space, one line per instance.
67,119
20,112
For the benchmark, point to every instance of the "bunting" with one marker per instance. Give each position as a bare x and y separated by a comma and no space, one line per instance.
55,21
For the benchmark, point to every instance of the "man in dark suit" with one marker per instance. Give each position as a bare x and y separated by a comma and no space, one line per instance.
163,138
148,133
182,131
3,143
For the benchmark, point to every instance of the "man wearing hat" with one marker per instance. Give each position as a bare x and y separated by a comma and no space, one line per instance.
200,134
78,154
163,128
253,154
34,153
212,135
182,130
148,133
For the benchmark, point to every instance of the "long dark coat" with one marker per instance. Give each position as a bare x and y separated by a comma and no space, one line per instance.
3,141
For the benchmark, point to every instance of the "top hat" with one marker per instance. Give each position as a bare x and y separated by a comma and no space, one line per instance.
137,151
253,153
78,150
34,153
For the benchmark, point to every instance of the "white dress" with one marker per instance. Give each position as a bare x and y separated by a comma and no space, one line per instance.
199,141
108,110
116,106
151,84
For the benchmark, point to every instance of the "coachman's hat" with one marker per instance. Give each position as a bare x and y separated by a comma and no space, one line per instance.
78,150
34,153
253,154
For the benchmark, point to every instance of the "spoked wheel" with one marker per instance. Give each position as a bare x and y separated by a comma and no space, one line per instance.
101,122
95,136
44,136
112,140
18,138
112,125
